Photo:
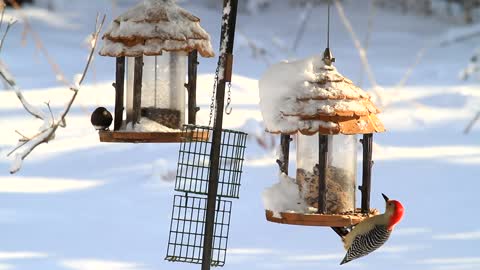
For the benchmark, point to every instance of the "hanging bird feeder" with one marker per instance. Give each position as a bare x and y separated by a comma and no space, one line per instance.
151,43
326,112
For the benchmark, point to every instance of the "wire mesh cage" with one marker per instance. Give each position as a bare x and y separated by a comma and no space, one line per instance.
185,243
194,161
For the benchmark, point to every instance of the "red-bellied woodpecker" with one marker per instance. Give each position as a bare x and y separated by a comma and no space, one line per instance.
372,232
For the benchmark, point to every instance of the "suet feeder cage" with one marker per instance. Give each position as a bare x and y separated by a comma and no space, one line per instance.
326,112
192,180
187,227
194,161
156,44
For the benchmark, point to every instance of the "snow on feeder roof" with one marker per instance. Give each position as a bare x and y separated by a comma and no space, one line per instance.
154,26
309,96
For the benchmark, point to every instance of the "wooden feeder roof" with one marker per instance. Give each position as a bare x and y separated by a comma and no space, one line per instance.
323,101
154,26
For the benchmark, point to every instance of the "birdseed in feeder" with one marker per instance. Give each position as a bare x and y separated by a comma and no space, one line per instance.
167,117
340,199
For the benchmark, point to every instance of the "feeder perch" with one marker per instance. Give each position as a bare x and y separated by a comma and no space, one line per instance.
152,43
326,111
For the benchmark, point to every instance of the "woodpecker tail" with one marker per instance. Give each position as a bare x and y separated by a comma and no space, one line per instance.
346,259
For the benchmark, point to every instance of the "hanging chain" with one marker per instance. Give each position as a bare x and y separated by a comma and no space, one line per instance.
212,104
221,63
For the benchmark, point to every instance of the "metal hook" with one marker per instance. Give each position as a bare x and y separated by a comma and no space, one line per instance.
228,108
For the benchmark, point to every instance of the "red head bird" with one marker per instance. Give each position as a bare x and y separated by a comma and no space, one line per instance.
373,232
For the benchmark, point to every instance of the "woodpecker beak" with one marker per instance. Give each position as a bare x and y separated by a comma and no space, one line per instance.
385,197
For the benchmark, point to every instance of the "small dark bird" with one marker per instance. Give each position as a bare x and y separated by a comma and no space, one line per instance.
101,118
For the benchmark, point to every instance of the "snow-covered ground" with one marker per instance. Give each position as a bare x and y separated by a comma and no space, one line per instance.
81,204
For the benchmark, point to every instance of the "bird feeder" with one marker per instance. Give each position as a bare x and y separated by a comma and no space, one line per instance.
326,112
152,43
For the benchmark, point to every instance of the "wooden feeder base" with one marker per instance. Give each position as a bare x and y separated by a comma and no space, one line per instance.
318,219
150,137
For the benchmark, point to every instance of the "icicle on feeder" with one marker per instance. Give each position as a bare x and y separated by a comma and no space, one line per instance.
326,111
151,43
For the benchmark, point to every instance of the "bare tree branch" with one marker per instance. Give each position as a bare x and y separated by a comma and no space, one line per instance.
472,123
24,138
257,51
10,81
50,110
2,6
39,44
361,51
9,25
305,16
47,133
371,16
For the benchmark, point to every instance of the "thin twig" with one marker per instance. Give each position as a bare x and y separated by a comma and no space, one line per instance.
39,44
256,50
48,134
409,71
472,123
23,136
22,143
460,38
361,51
9,25
95,40
371,17
50,110
10,81
302,27
406,76
2,6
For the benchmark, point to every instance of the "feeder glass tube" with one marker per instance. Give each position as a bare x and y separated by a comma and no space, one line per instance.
163,88
340,175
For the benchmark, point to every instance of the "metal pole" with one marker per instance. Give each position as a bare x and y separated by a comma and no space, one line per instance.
119,91
366,172
137,89
285,153
192,87
322,173
228,31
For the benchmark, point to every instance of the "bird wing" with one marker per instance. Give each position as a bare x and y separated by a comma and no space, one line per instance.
364,244
359,229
